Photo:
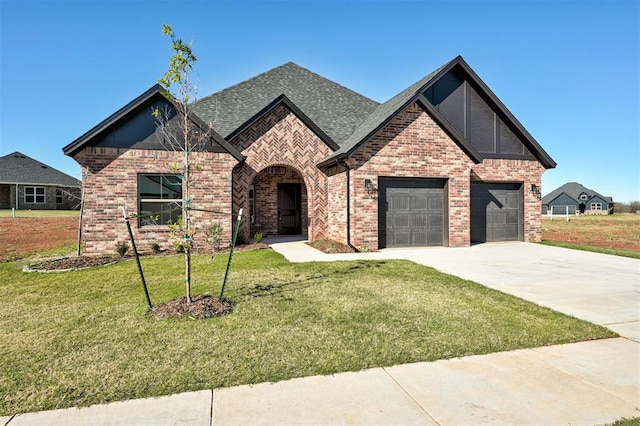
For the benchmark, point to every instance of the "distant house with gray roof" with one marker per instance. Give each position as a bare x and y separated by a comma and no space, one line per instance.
442,163
573,198
28,184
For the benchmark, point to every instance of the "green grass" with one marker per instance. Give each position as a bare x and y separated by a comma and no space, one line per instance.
606,250
83,337
40,213
635,421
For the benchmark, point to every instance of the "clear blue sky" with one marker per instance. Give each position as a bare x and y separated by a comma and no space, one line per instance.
568,70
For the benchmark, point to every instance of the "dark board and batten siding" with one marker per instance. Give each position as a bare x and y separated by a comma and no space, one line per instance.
412,212
496,212
480,123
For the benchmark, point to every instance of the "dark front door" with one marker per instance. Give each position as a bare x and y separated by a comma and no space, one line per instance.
289,207
496,212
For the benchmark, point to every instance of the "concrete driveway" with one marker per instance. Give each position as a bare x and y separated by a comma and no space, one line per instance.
596,287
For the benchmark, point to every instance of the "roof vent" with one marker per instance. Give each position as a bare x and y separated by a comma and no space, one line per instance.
43,166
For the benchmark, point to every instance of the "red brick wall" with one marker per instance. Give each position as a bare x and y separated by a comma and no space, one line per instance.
337,207
110,179
526,171
266,203
411,145
280,138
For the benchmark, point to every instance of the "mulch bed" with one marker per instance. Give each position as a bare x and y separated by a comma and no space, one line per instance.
80,262
329,246
201,307
71,263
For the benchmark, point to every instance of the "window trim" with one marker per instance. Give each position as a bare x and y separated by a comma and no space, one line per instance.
596,206
35,194
144,222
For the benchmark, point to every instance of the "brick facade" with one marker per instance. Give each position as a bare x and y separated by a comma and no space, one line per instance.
281,139
110,177
280,148
413,145
526,171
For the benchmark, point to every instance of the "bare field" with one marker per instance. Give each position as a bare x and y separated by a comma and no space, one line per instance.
22,236
621,231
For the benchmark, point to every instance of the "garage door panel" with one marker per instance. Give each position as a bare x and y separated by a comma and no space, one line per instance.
496,212
411,215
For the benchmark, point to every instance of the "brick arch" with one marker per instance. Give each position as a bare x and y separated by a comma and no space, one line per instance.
280,138
266,183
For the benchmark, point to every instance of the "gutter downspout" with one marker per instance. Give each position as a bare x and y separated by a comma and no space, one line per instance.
349,207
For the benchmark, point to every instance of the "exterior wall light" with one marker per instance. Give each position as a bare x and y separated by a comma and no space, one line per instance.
535,190
370,188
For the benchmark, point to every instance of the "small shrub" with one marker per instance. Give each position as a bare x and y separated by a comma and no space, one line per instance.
258,237
155,247
213,232
122,247
180,246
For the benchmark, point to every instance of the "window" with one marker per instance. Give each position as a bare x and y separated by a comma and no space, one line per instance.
58,196
596,206
584,197
34,195
159,199
252,202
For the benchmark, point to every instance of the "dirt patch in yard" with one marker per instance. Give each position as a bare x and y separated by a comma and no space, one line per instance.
27,235
201,307
329,246
620,231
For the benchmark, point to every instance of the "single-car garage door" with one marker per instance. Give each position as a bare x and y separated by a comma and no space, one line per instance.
496,212
411,212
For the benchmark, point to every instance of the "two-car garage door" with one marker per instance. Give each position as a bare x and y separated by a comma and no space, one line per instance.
413,212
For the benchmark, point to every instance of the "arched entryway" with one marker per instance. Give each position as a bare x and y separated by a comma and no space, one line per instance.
278,202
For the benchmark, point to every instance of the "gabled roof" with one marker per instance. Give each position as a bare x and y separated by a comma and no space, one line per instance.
17,168
573,190
127,111
394,106
335,109
282,99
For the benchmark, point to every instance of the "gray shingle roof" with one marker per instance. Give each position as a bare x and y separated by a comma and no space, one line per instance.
573,190
383,112
335,109
19,168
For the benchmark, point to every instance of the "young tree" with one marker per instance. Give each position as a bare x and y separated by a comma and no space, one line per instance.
181,134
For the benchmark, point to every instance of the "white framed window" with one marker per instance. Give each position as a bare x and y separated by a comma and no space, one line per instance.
159,199
583,197
35,195
596,206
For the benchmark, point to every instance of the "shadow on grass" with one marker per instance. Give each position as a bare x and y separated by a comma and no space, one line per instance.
250,291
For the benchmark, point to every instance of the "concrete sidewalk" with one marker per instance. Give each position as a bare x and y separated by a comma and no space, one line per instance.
581,383
589,383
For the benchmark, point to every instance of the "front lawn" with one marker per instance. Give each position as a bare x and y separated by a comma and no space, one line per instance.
80,338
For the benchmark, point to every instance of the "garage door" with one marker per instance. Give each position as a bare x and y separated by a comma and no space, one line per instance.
411,213
496,212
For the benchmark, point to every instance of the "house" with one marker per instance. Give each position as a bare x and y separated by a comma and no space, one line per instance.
26,183
573,198
442,163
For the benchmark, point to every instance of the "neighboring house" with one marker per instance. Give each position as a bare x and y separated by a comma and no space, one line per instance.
27,184
573,198
442,163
